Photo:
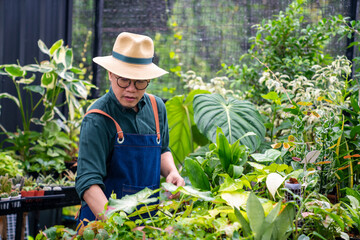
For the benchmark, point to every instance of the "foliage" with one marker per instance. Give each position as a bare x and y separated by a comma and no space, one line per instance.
289,43
9,165
45,151
275,225
185,137
236,119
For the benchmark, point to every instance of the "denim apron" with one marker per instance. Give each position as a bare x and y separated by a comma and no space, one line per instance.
134,165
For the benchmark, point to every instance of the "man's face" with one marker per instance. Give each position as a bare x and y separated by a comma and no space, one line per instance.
127,96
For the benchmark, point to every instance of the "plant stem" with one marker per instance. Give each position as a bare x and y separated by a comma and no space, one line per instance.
177,207
25,126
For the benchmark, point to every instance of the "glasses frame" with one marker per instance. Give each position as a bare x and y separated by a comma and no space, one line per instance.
130,80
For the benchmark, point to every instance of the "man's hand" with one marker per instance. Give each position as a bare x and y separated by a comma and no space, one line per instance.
170,172
175,178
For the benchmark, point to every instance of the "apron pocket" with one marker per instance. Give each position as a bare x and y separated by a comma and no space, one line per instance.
130,189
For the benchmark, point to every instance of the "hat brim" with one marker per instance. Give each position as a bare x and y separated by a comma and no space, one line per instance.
129,70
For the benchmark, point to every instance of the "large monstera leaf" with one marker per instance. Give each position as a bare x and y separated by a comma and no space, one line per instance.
234,117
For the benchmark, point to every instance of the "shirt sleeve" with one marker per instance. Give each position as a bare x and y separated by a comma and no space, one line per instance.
94,148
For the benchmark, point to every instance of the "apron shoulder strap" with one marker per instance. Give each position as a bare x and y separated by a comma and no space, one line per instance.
118,128
156,114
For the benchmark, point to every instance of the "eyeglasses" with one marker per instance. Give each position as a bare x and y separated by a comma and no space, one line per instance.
125,82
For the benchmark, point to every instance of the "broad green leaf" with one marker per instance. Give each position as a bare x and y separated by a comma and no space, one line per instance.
196,175
48,80
43,47
128,203
273,182
181,121
234,117
270,155
283,223
270,96
354,202
235,199
270,218
14,70
55,46
35,88
255,214
353,193
11,97
188,190
244,224
257,165
230,184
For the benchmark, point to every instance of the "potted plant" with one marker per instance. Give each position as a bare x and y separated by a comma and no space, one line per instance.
4,198
15,197
37,150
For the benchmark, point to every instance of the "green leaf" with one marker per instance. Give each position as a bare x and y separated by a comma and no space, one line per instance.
231,185
55,46
14,70
48,80
68,58
128,203
303,237
270,218
47,116
181,122
270,155
234,117
196,175
11,97
43,47
355,103
284,222
188,190
271,96
255,214
244,224
223,151
235,171
35,88
77,70
235,198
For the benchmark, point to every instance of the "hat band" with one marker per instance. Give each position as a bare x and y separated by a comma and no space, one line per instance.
131,59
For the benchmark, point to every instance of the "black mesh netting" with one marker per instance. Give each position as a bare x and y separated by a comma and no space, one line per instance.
195,35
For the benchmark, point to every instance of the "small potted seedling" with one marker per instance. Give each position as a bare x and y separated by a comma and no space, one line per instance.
15,197
4,198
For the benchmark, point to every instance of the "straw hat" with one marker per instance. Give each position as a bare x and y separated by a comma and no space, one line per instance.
132,58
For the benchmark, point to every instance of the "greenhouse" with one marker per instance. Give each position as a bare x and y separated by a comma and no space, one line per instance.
180,119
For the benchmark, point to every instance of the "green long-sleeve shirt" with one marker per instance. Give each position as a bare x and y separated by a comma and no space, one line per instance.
97,136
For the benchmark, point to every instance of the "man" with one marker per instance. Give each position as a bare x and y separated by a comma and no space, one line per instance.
124,137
